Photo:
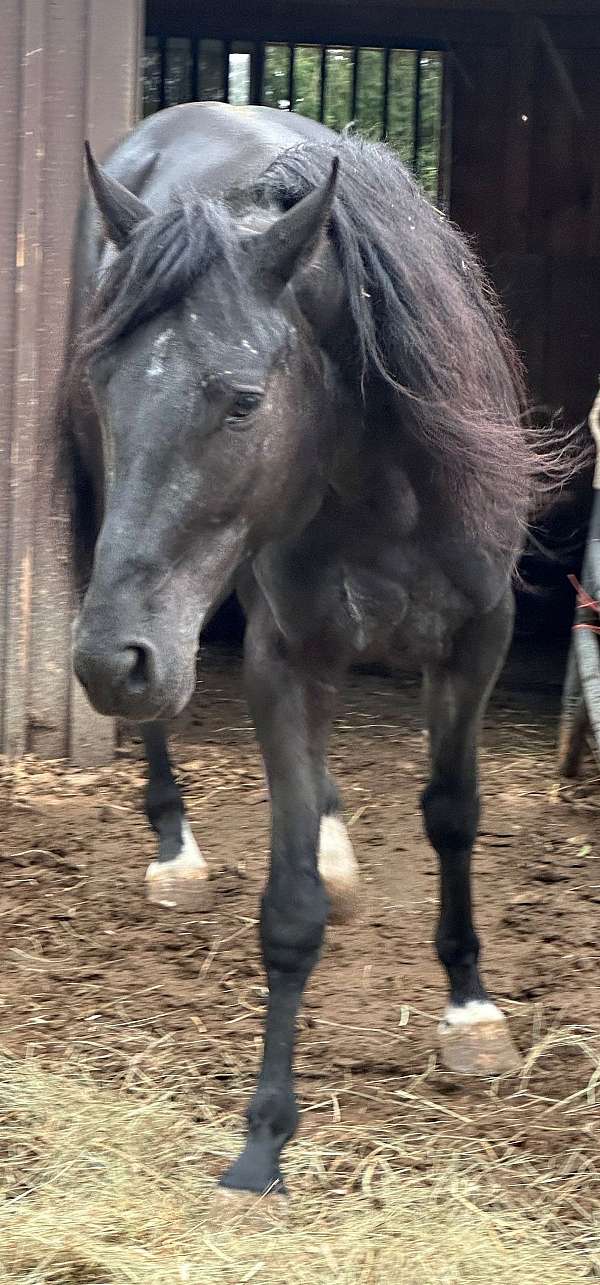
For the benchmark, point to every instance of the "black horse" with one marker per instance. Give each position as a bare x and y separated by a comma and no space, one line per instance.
296,382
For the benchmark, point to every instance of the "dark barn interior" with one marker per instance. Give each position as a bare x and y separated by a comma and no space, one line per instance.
497,106
496,103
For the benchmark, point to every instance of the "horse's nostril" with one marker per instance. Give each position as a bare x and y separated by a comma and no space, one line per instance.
118,679
140,669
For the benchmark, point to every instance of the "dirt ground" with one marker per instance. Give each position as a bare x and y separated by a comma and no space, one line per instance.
92,976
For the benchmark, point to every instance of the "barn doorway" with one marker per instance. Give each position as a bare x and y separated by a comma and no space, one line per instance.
387,91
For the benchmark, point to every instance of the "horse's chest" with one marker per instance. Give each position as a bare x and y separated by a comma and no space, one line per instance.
402,602
398,594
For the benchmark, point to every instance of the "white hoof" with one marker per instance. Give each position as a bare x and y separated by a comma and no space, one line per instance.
180,884
338,868
474,1039
470,1014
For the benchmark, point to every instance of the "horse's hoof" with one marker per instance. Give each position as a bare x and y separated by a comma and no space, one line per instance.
183,882
475,1040
338,868
231,1204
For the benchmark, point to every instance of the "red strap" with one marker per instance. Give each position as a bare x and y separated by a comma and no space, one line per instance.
584,601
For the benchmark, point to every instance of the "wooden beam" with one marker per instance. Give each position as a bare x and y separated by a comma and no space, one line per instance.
327,23
561,71
541,8
10,78
50,653
111,108
349,22
22,458
523,44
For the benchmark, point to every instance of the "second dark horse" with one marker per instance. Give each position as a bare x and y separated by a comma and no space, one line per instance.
296,382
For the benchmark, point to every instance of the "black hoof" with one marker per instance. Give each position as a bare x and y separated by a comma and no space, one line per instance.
247,1177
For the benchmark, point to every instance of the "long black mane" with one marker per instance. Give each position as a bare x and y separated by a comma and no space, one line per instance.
427,322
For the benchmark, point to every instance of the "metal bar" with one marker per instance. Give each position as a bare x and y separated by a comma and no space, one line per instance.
162,50
323,82
226,57
386,93
445,157
356,52
257,73
292,49
417,113
195,71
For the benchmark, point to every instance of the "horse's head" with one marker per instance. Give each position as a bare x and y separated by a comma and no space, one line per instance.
210,398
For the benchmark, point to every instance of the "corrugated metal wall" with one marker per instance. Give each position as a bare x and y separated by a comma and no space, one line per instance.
68,70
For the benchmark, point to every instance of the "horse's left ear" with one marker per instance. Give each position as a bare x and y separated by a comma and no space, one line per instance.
121,211
293,237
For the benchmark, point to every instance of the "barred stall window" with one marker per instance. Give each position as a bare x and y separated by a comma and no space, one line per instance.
396,94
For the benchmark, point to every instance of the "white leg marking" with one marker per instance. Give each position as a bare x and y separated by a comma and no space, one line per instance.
338,868
470,1014
169,883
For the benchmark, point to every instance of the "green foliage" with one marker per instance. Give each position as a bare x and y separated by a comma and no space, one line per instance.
301,90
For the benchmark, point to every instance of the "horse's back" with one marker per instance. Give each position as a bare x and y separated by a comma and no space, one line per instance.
208,147
211,146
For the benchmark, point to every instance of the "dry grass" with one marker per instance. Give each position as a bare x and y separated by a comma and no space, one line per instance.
111,1134
108,1185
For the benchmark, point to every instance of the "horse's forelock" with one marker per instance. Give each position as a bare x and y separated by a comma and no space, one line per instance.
156,268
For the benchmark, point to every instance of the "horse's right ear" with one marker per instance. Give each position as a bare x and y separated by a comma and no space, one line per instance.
294,236
121,211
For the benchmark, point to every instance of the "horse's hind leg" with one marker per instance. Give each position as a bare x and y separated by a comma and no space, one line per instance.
473,1035
338,866
179,876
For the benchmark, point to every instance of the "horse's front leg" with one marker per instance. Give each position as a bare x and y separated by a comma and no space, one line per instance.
291,698
474,1037
178,878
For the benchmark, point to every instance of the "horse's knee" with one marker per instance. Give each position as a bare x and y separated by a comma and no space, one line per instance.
451,817
292,927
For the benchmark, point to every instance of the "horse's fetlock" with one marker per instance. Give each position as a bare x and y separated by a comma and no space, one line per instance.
274,1108
163,800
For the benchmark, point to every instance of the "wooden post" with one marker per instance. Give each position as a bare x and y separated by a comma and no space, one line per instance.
114,41
68,68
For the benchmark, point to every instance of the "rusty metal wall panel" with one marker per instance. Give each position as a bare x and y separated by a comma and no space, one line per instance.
68,68
10,78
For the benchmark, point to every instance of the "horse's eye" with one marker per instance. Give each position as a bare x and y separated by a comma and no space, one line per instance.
244,403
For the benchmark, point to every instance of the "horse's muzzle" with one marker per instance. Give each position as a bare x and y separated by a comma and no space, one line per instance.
129,679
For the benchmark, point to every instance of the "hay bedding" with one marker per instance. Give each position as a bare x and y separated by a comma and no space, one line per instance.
129,1037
